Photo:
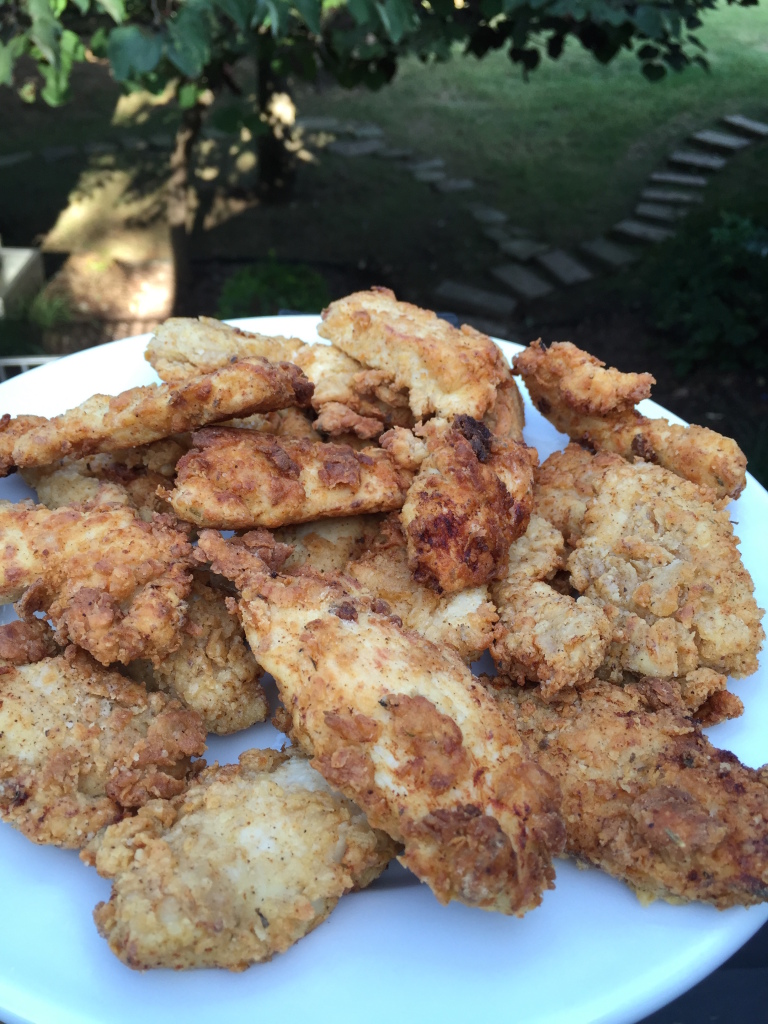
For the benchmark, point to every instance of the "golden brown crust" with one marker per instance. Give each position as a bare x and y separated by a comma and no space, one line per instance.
596,407
23,643
79,744
646,797
663,562
471,498
328,545
108,581
251,858
183,348
213,671
446,371
142,415
379,708
234,479
564,485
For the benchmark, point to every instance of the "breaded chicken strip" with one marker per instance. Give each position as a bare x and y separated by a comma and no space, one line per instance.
446,371
251,858
289,422
183,348
463,621
471,498
566,482
109,582
328,545
79,744
236,479
663,562
404,729
506,416
646,797
141,415
213,671
543,635
22,643
129,477
596,406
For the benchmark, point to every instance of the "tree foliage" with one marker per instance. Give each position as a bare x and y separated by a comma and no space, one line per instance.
194,42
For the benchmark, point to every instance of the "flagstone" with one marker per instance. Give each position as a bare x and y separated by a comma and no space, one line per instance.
566,268
676,178
702,161
641,231
609,253
522,281
464,296
747,124
721,140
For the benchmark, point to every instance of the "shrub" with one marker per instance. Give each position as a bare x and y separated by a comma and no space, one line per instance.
266,288
710,289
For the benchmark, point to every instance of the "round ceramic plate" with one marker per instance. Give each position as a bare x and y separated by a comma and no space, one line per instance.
591,954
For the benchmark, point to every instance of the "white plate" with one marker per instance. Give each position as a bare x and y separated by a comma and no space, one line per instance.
589,955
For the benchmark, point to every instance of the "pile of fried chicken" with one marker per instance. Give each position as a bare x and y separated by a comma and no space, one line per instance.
390,525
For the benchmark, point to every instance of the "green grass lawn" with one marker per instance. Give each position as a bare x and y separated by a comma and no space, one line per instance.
565,153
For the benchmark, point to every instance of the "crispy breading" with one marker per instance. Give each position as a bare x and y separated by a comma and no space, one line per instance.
534,556
328,545
79,744
463,621
249,860
402,728
22,643
663,562
183,348
566,482
646,797
291,422
213,671
506,417
350,398
706,697
236,479
407,448
109,582
104,423
129,477
446,371
596,406
470,499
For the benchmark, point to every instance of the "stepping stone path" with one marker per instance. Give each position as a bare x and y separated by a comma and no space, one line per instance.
668,197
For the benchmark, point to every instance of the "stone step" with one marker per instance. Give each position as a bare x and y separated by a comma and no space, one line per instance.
465,296
100,148
675,178
639,231
319,124
11,159
497,233
670,195
355,147
746,124
161,140
522,281
657,211
487,215
522,249
435,164
563,267
135,144
701,161
450,185
608,253
721,140
53,153
393,153
429,176
367,131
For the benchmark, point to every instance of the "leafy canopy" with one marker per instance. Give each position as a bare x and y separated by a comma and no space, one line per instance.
193,42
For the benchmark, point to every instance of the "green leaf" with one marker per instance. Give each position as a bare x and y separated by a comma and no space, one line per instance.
56,89
188,95
240,11
362,11
310,12
9,54
190,38
650,22
133,50
395,17
45,30
115,9
82,5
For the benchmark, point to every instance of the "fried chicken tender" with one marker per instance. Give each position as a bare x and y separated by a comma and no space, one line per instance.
543,635
470,499
446,371
141,415
109,582
404,729
663,562
596,406
328,545
79,744
291,422
566,482
22,643
463,621
506,416
249,860
129,477
646,797
236,479
213,671
183,348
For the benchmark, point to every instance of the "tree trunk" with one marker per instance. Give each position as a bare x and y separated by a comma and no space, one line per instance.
177,206
277,164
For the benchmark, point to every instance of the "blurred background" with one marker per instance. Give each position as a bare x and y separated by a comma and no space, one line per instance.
591,170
